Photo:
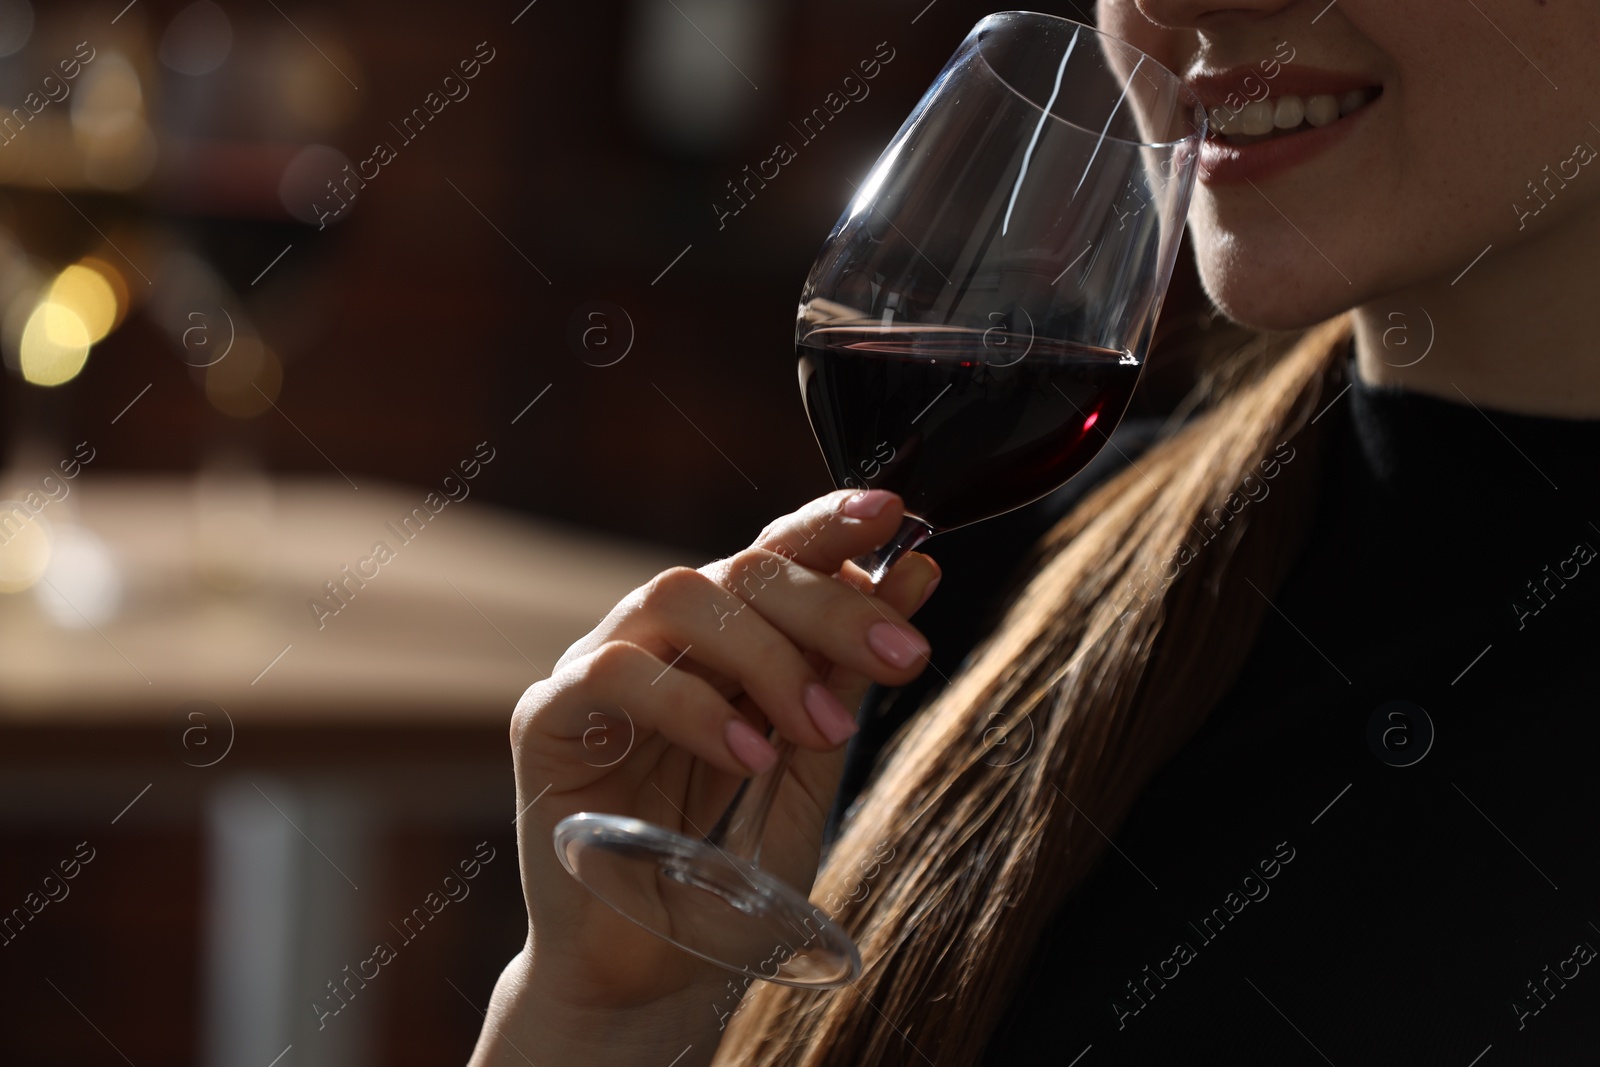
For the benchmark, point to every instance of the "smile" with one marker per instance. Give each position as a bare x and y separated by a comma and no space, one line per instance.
1285,115
1278,114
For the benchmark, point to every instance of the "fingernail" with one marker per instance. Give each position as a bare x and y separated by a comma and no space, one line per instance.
928,592
897,647
751,748
867,504
827,713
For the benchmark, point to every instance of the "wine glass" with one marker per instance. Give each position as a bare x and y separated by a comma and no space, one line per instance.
968,337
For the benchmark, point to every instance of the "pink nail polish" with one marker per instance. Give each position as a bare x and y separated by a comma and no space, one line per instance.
827,713
897,647
867,504
749,747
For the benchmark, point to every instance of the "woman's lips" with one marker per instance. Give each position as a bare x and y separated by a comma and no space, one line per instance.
1222,163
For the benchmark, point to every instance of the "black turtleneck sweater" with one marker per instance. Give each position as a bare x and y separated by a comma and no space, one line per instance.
1381,847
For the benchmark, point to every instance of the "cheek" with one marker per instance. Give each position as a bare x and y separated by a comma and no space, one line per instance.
1398,202
1122,19
1427,183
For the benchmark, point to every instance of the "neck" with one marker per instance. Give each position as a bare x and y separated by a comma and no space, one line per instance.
1516,332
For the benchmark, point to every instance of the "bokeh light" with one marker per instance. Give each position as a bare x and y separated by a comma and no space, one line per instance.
198,41
17,303
89,295
16,25
310,91
81,585
305,184
55,345
24,546
108,122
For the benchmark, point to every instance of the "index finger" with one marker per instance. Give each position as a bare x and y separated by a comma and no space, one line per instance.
834,528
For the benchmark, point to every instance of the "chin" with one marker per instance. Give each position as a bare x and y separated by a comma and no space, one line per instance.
1272,292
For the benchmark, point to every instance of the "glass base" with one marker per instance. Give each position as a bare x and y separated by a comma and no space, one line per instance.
706,901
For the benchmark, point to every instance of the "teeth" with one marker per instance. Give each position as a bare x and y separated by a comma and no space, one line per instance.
1322,109
1256,118
1223,120
1262,119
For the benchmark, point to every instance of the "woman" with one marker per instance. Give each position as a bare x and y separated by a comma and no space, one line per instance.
1357,582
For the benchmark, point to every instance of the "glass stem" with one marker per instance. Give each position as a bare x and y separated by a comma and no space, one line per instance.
744,821
913,531
742,825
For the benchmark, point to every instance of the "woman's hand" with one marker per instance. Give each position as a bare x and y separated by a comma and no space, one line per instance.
661,710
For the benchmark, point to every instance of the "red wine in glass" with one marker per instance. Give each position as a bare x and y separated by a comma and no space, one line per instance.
964,424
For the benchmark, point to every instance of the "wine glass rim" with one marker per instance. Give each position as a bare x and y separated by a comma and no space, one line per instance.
1185,91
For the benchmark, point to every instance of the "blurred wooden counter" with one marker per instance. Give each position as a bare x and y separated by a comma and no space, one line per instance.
474,608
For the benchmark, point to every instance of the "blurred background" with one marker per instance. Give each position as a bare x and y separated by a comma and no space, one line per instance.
358,357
